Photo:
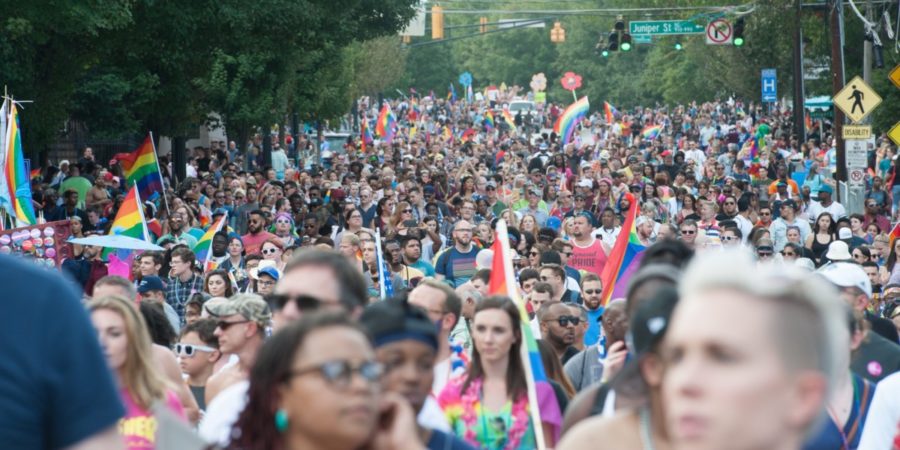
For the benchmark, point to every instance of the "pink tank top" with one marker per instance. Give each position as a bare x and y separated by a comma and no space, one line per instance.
591,258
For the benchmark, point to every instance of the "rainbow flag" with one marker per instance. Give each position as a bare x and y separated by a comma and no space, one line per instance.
895,233
489,120
565,125
651,132
15,189
467,135
129,219
610,113
508,118
754,159
365,134
35,174
542,403
386,124
625,257
451,94
203,249
448,135
142,169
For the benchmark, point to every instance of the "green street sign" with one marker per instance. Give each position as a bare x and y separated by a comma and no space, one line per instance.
642,38
665,27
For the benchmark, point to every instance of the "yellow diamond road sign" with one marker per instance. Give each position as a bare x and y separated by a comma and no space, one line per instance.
894,134
895,76
857,99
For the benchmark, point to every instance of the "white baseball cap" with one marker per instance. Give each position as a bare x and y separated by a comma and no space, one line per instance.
845,274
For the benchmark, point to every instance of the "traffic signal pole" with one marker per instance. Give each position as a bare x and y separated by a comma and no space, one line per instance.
837,83
799,91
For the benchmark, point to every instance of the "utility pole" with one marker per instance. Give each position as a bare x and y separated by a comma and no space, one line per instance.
867,49
799,91
836,27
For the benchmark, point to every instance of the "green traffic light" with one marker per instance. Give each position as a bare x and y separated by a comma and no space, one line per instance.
605,53
678,46
738,41
625,47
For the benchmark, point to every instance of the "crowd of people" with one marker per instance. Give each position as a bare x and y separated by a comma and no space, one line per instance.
347,303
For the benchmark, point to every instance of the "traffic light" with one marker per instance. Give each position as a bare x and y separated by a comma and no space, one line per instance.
877,49
613,42
437,22
739,32
483,25
620,23
678,46
625,46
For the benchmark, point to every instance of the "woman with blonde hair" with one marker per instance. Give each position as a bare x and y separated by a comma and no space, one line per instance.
126,344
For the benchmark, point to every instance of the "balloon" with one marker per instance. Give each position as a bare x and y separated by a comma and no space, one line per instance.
554,222
484,259
762,130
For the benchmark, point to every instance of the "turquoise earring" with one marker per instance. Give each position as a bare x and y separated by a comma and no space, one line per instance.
281,420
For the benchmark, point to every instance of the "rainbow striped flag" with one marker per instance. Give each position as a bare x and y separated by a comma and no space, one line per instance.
451,94
15,188
625,257
651,132
508,118
129,219
203,249
754,159
386,124
895,233
565,125
35,174
609,112
489,120
142,169
365,134
542,403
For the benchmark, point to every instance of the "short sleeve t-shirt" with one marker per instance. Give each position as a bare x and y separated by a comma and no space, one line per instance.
457,267
139,426
55,386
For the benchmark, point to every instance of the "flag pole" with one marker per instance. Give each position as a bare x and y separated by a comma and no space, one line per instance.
379,259
140,208
156,156
509,275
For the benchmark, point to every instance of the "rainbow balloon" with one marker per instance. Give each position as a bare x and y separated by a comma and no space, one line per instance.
565,126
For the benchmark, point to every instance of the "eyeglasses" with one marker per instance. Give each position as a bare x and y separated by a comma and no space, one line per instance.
410,210
593,291
688,231
189,349
764,254
283,221
788,254
338,373
765,214
269,251
564,321
224,325
304,303
532,253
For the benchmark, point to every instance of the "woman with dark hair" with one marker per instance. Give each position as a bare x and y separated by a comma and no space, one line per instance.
822,236
218,284
488,405
315,384
383,212
161,331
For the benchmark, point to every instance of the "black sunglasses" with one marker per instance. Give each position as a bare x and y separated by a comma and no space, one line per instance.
564,321
305,303
225,325
339,373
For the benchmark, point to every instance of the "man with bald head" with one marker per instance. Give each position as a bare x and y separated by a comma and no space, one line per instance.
457,264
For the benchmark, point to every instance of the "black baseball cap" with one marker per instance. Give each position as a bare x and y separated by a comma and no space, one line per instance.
395,320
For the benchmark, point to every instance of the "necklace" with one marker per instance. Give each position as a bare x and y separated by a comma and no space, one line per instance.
646,433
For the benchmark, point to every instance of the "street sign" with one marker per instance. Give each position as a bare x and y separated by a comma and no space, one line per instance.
857,176
664,27
769,86
821,114
857,153
857,131
719,32
895,76
642,39
894,134
857,99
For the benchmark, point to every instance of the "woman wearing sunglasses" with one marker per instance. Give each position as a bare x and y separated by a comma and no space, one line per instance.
325,394
198,352
283,227
488,405
272,249
127,347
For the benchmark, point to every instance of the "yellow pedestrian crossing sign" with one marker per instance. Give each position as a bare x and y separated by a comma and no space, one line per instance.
894,134
857,99
895,76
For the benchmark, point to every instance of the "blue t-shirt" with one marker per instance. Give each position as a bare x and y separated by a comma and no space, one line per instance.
455,266
55,386
828,435
592,335
444,441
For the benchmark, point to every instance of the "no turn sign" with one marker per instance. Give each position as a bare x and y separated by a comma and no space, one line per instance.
857,176
719,32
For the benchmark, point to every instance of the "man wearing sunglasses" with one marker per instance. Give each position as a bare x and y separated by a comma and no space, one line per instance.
558,329
241,324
